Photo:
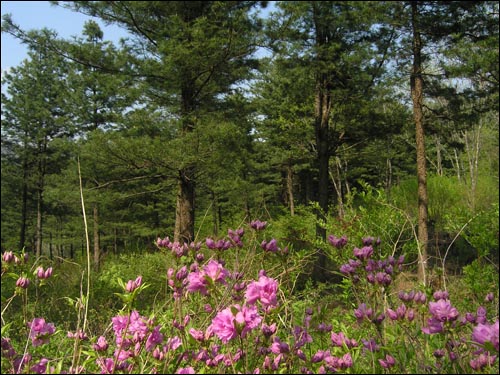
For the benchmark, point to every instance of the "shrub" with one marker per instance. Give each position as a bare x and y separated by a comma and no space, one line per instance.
224,311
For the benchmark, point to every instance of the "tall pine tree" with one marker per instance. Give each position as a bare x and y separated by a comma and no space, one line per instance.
188,55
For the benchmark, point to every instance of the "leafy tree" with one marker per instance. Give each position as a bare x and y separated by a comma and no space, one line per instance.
337,43
100,100
428,30
465,95
188,55
173,124
34,111
284,99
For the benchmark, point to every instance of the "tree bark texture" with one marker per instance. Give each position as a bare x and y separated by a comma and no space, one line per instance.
24,205
416,83
184,213
322,108
42,147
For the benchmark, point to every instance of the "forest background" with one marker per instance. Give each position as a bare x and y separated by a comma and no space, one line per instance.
362,118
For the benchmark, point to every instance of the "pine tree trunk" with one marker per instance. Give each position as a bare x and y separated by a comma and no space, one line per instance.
24,205
39,204
39,224
184,212
50,246
439,161
322,107
322,113
416,82
185,205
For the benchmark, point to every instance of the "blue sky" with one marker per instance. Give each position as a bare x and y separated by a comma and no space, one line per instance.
39,14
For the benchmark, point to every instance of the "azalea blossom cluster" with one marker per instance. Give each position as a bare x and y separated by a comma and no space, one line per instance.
238,320
40,333
234,239
442,312
23,281
10,257
365,270
230,322
177,248
201,279
443,315
43,274
486,336
376,271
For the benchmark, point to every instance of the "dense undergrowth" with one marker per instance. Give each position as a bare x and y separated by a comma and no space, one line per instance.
245,303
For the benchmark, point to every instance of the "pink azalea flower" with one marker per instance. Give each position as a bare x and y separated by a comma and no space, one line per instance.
186,370
8,256
123,355
154,339
388,362
482,361
318,356
278,346
163,242
197,334
40,331
440,294
337,242
363,253
234,321
346,361
481,315
23,282
268,331
223,326
101,344
363,311
271,246
433,326
136,326
443,311
173,343
258,225
371,345
78,335
263,290
483,333
21,361
106,365
489,297
43,274
40,367
197,281
339,339
216,271
133,284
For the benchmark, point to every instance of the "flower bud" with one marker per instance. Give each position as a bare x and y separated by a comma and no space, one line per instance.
23,282
8,256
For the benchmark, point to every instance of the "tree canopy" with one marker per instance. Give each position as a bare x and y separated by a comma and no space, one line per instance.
213,113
